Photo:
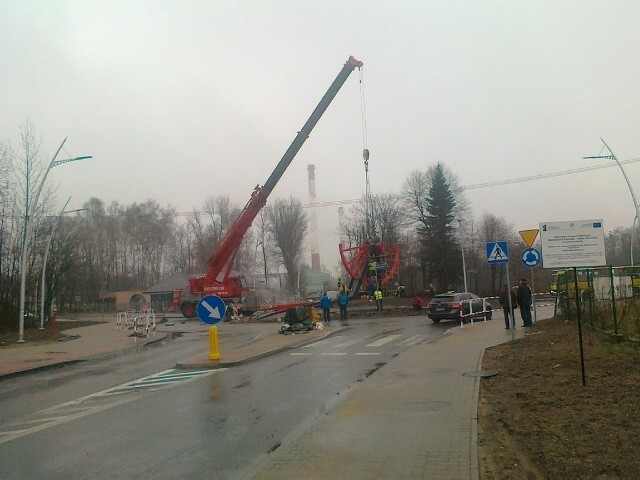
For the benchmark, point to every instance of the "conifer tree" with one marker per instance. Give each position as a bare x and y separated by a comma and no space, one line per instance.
437,233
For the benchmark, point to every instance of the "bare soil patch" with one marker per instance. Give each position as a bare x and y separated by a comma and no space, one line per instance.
537,420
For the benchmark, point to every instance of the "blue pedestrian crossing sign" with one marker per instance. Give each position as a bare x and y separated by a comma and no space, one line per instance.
211,309
497,252
530,257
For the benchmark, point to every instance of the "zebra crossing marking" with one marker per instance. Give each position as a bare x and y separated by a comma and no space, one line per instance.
408,342
97,402
349,343
383,340
320,342
411,341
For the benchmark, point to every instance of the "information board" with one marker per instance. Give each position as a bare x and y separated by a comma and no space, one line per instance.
578,243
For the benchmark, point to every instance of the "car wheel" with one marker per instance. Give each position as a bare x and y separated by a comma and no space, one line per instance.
489,314
435,320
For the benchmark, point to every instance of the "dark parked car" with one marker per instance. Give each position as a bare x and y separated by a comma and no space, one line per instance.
447,306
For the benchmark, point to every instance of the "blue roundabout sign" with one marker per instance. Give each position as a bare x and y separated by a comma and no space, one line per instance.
531,258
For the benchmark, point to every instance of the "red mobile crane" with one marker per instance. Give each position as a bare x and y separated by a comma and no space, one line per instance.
219,280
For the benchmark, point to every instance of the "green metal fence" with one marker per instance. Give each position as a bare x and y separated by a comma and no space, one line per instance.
609,298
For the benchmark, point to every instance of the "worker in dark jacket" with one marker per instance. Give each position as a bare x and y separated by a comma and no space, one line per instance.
504,301
524,297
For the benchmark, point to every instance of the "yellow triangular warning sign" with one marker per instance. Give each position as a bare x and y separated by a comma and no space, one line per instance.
529,236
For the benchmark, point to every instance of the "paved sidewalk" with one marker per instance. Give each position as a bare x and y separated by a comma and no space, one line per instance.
83,343
414,418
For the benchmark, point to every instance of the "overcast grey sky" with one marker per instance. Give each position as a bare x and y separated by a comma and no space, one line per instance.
178,101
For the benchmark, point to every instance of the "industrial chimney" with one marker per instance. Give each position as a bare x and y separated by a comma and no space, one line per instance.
313,220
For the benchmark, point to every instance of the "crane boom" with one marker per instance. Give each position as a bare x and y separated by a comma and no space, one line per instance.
217,278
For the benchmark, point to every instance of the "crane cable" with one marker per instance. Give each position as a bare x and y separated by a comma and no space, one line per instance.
365,155
363,113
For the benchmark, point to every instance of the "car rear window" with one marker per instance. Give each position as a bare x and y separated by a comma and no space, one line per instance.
443,298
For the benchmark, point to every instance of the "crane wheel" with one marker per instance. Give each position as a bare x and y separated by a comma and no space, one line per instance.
188,310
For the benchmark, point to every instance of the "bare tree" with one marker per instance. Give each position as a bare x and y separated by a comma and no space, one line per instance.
265,256
209,228
491,229
288,227
386,220
20,172
182,251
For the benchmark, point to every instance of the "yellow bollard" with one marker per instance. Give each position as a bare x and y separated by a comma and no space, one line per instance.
214,351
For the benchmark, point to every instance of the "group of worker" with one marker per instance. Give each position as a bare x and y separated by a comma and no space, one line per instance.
343,302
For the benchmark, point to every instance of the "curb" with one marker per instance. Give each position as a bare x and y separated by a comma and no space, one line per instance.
475,464
65,363
215,365
42,368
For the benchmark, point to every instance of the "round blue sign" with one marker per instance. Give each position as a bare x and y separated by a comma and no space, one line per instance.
211,309
530,257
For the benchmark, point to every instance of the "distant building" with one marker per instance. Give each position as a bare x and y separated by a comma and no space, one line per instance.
162,293
121,301
316,282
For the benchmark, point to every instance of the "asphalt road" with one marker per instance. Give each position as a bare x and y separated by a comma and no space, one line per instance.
134,416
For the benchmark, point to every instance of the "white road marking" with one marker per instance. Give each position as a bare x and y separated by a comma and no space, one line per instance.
321,342
382,341
368,353
90,404
349,343
412,340
333,354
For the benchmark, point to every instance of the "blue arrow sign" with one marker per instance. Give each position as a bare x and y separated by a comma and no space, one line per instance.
497,252
530,257
211,309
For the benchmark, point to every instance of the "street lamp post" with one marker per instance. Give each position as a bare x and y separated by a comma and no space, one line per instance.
612,156
46,257
44,263
27,234
464,265
255,263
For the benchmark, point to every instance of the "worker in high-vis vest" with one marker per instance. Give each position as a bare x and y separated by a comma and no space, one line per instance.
378,296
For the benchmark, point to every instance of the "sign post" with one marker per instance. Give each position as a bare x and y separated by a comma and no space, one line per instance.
573,244
498,253
211,310
530,259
